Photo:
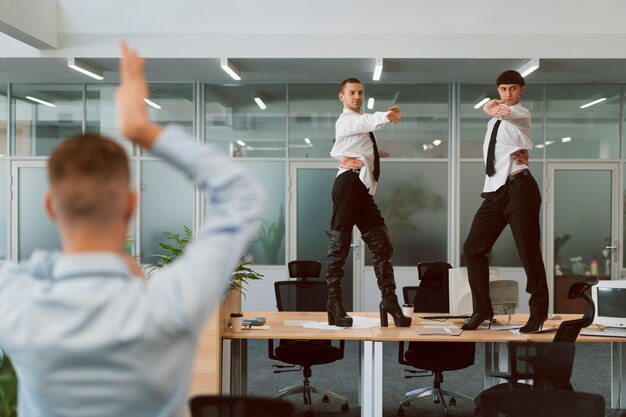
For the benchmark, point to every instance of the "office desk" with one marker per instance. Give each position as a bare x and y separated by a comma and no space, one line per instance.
371,340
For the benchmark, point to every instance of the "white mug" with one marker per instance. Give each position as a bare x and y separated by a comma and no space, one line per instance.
236,321
407,310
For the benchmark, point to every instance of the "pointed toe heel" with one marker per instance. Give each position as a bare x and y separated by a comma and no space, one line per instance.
475,320
533,325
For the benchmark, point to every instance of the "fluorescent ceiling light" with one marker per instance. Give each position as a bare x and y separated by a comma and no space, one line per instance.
40,101
566,139
230,69
260,103
549,142
591,103
152,104
481,103
539,146
370,103
80,66
437,142
378,69
241,142
528,67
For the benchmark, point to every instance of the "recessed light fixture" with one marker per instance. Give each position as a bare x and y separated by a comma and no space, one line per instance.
528,67
378,69
40,101
152,104
437,142
481,103
566,139
540,146
307,141
260,103
370,103
591,103
230,69
80,66
549,142
241,142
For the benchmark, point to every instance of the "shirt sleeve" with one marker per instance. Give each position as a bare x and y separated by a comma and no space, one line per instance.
355,124
185,293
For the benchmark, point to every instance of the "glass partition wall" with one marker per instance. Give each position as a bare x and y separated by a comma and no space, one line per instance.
269,127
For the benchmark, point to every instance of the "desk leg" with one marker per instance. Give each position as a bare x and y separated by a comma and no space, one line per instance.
496,358
618,372
370,387
234,367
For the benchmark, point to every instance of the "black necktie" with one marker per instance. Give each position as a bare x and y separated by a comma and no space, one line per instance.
490,169
376,171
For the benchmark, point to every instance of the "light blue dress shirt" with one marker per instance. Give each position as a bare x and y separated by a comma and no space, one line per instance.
89,340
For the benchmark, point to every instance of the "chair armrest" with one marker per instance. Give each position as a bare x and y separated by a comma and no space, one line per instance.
270,350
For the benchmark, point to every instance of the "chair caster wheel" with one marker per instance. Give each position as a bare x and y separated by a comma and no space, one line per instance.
325,399
400,412
345,408
308,413
436,400
452,401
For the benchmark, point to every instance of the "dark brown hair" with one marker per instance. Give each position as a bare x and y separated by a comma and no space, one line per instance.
510,77
348,81
89,177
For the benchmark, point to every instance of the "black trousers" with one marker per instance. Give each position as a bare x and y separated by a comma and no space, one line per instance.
353,205
517,204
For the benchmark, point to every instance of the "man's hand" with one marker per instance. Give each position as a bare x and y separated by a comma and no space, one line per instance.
496,108
521,156
132,112
348,162
394,114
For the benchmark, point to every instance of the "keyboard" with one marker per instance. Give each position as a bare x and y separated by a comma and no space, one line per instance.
607,332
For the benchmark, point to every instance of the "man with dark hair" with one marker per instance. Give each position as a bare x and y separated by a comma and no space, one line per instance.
511,196
353,204
87,339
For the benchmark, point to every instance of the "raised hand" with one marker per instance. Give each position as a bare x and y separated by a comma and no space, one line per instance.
394,114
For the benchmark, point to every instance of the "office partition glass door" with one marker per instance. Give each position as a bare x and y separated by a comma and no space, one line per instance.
31,228
582,202
310,207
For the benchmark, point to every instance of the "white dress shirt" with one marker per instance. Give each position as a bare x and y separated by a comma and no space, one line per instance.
89,340
352,139
513,135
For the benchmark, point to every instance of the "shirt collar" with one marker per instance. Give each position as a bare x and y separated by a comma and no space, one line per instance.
90,264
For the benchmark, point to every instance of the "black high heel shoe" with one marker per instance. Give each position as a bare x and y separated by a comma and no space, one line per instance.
337,315
533,325
391,306
475,320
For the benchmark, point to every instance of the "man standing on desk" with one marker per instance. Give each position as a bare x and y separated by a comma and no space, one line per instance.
353,204
511,196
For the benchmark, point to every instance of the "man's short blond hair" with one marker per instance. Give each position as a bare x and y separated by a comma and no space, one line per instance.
89,179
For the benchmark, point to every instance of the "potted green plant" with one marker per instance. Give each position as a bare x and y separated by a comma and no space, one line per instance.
8,387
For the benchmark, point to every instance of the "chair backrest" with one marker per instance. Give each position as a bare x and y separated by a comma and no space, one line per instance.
301,295
569,330
226,406
304,269
540,403
432,294
547,364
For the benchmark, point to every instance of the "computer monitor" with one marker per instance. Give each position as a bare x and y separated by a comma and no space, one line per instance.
504,293
609,296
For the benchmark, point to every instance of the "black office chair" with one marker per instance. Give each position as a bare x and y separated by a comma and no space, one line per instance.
225,406
569,330
304,269
541,403
432,297
304,296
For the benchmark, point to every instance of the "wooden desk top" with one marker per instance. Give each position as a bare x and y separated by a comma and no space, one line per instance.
278,330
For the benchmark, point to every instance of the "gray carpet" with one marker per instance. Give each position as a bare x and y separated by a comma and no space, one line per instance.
591,374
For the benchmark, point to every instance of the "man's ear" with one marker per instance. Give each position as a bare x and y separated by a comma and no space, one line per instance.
49,206
340,96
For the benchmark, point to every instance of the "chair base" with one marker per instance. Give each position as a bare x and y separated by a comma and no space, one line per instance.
306,389
438,397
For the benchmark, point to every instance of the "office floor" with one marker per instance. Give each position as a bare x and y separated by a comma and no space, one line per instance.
591,374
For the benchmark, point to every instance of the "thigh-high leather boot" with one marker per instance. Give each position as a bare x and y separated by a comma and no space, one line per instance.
338,250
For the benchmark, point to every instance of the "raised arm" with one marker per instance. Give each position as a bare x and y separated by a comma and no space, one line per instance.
366,122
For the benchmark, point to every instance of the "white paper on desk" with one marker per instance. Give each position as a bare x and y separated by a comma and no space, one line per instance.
263,327
433,324
439,331
358,322
505,327
544,330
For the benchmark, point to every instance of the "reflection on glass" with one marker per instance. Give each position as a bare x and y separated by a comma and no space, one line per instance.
423,130
504,252
39,127
575,128
314,207
4,112
412,198
4,237
313,111
101,118
269,246
167,200
237,124
35,230
474,120
580,235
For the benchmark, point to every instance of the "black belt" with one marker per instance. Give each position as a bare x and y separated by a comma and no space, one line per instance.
518,175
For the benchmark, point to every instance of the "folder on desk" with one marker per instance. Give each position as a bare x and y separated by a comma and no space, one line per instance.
438,331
